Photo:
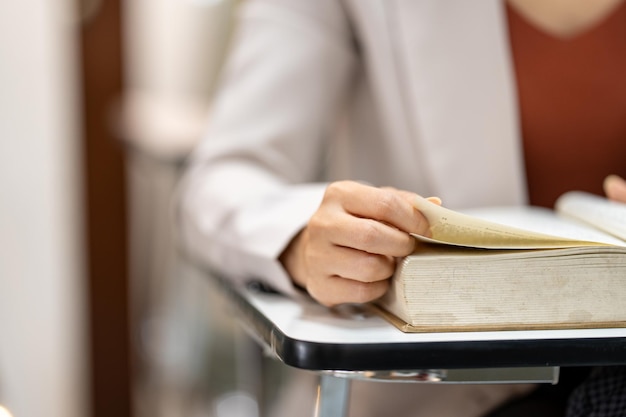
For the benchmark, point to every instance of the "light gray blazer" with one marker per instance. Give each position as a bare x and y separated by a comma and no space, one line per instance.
415,94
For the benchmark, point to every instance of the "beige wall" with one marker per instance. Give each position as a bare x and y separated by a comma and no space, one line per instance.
174,47
173,50
42,314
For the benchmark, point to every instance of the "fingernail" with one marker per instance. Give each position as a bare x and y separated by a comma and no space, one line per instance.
435,200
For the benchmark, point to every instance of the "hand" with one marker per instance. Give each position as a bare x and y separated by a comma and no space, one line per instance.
348,250
615,188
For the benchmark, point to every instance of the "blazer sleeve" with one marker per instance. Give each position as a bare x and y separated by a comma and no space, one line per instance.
253,181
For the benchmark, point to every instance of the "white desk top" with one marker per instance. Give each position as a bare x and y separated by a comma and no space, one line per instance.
308,321
306,335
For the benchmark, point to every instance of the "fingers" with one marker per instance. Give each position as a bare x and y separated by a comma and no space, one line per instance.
355,265
334,275
346,290
385,205
347,251
615,188
411,196
362,234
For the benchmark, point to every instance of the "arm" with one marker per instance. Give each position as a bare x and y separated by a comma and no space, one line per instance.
251,184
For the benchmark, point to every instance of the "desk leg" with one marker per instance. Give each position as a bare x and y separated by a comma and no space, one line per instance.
333,394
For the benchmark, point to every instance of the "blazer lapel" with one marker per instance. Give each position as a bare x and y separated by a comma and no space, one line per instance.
454,58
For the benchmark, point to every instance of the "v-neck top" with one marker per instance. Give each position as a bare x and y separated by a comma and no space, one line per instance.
572,105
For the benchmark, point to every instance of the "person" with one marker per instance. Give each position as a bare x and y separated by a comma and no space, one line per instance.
332,114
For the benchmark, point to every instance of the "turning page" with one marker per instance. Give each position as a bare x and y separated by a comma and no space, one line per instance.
454,228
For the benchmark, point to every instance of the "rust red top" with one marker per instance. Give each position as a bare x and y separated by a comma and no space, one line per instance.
572,104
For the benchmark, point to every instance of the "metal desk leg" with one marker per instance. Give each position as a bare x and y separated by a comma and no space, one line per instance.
333,394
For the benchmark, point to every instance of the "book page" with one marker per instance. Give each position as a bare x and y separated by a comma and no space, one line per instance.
608,216
454,228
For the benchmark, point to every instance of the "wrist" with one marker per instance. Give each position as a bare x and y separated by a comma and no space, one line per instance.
291,259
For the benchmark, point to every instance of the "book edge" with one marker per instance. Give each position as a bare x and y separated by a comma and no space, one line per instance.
409,328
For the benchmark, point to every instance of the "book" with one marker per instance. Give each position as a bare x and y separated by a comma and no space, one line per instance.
514,268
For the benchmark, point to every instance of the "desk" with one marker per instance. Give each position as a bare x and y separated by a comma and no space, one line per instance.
353,342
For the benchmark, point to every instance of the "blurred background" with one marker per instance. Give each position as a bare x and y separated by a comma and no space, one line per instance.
100,103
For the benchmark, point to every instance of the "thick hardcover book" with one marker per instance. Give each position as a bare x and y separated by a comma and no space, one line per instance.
514,268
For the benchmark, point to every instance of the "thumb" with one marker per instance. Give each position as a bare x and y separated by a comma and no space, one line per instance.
615,188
